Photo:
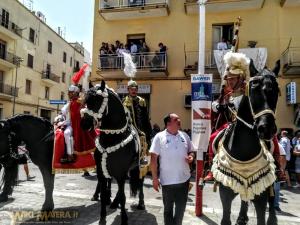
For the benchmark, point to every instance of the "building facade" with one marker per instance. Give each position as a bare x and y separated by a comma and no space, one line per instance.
270,24
36,63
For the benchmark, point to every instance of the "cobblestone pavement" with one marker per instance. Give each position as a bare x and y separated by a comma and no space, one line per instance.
72,195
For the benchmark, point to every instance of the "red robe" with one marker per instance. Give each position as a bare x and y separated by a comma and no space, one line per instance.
83,140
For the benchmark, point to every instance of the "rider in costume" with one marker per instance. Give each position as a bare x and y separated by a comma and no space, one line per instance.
139,114
76,139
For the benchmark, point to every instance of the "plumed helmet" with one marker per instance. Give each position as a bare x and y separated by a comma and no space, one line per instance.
237,64
73,88
132,83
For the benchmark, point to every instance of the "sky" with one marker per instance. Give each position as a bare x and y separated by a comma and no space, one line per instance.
75,15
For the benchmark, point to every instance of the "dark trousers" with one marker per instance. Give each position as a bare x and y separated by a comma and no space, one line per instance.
175,194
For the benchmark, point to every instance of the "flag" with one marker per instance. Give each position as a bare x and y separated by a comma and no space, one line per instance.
76,77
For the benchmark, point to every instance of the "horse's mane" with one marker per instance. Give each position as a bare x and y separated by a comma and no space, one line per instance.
17,118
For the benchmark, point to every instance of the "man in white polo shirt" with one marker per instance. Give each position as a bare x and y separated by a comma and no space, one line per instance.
174,150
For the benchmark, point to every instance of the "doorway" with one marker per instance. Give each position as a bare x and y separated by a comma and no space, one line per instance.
222,31
46,114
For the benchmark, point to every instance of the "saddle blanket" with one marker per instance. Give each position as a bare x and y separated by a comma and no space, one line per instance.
84,160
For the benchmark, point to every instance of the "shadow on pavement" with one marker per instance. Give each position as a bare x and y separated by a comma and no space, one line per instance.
136,218
207,220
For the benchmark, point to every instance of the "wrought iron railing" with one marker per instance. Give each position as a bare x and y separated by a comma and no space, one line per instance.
9,57
191,59
50,76
151,61
291,57
8,90
11,26
110,4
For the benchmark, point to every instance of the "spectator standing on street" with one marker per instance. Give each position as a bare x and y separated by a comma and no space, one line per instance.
296,152
174,150
282,162
286,144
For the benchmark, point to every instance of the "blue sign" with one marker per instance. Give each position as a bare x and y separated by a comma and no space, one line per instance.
291,93
201,91
57,102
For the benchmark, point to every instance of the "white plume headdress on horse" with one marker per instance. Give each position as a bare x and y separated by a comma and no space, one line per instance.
129,69
236,64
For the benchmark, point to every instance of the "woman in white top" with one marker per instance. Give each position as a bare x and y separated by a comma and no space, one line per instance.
296,152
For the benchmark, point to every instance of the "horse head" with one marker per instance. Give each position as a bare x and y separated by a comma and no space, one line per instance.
263,93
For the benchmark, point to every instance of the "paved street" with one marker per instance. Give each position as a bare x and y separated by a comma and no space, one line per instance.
72,193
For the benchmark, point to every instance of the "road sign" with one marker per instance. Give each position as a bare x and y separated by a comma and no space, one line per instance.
57,102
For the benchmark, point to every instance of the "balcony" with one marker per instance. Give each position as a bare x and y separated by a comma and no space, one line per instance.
191,63
289,3
10,29
7,92
133,9
291,61
149,65
7,61
49,78
191,6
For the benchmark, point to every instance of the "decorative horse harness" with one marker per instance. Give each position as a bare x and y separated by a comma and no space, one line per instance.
248,178
98,116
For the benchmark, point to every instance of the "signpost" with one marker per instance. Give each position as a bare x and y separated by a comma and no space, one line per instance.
57,102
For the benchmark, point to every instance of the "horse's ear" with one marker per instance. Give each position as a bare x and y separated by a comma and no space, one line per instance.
252,69
277,68
102,85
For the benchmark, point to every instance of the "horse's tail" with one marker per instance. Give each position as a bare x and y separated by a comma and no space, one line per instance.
134,181
9,177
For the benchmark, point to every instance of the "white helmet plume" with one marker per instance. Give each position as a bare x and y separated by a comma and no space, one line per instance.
130,67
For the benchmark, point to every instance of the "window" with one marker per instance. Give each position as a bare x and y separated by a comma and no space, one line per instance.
47,90
65,57
28,87
48,71
5,18
31,35
1,113
50,47
30,61
27,112
71,61
62,96
63,77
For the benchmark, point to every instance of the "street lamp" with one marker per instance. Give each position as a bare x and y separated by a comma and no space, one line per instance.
17,60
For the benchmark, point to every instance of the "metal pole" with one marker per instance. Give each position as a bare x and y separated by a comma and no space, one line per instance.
201,70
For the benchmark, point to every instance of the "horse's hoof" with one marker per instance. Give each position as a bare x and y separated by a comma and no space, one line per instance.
102,221
140,207
242,220
3,198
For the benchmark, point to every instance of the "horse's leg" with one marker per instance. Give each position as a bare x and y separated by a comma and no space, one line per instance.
48,179
141,204
9,178
272,220
108,192
243,218
116,201
226,195
122,198
260,204
103,191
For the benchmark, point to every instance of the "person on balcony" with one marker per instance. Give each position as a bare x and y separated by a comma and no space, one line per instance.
162,52
222,45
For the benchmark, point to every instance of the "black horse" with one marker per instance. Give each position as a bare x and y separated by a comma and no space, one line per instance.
242,141
37,134
117,146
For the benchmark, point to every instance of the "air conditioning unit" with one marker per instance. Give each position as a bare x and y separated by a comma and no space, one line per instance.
187,101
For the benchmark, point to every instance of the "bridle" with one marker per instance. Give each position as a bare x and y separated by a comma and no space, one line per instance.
255,115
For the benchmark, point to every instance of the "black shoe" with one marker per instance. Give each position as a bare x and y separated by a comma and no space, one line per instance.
277,209
86,174
95,198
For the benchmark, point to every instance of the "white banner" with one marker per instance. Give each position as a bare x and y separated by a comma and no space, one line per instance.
201,112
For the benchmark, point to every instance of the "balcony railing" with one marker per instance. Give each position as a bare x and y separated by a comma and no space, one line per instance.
8,90
9,57
191,60
144,61
50,76
291,61
114,4
11,26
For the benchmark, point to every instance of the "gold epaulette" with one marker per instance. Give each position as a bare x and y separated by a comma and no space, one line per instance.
142,102
127,101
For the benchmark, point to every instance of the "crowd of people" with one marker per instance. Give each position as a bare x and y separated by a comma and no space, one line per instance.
111,55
